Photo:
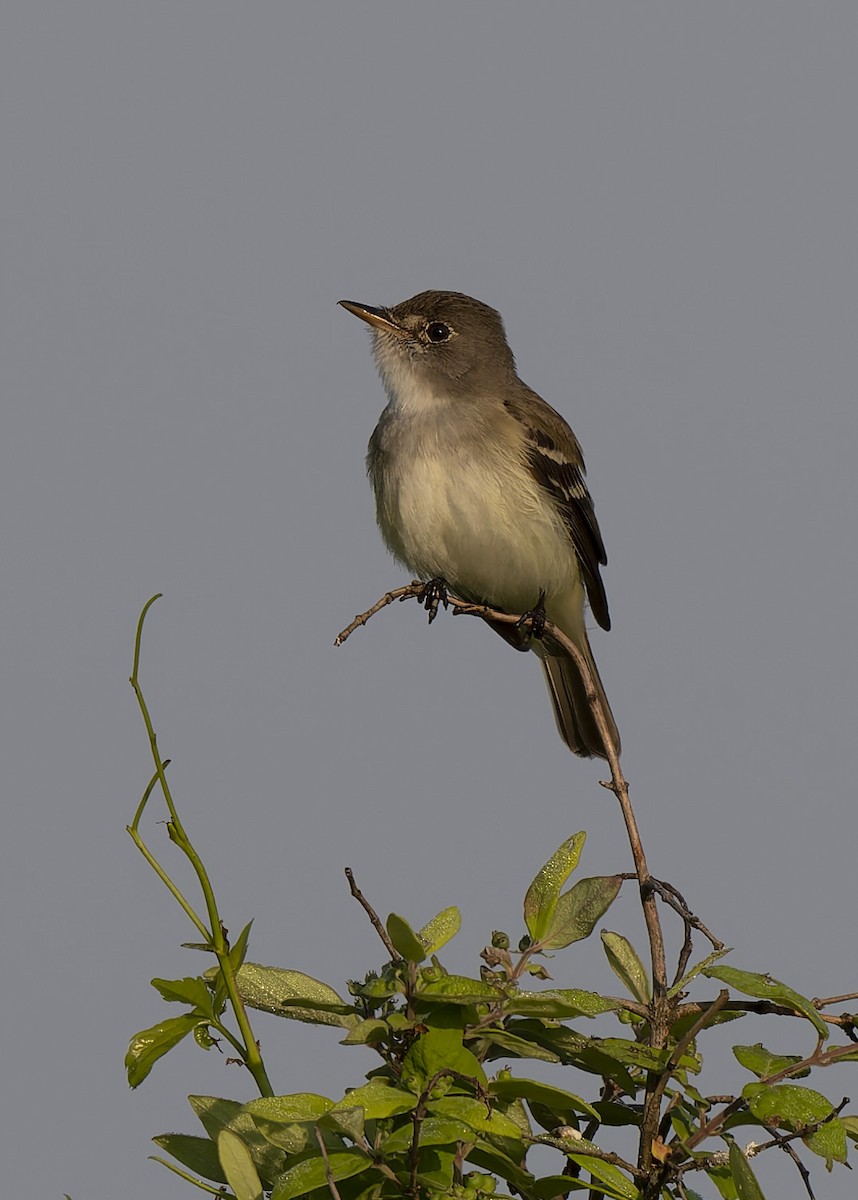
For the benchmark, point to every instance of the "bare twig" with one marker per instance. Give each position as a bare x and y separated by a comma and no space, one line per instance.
835,1000
672,896
402,593
660,1008
783,1140
329,1177
684,1042
762,1007
373,916
674,899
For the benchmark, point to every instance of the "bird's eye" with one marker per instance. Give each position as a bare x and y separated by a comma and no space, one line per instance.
437,331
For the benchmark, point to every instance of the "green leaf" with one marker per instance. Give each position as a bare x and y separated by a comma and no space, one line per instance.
551,1186
435,1171
149,1045
626,965
743,1177
405,940
292,994
312,1173
460,989
216,1114
850,1125
559,1003
475,1114
367,1032
722,1177
682,984
578,910
611,1113
347,1122
197,1154
851,1055
238,952
762,1062
237,1163
515,1111
290,1122
633,1054
575,1050
829,1142
565,1104
434,1131
381,989
681,1025
510,1044
440,930
378,1100
300,1106
611,1180
766,988
541,899
291,1139
438,1050
792,1107
491,1159
192,991
787,1104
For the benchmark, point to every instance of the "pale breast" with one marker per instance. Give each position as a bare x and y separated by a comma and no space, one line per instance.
468,510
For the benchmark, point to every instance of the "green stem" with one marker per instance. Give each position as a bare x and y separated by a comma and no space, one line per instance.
214,935
205,1187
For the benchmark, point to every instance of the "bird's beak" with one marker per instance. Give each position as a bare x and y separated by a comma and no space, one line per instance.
378,318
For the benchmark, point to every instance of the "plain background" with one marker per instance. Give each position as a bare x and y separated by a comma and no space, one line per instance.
661,199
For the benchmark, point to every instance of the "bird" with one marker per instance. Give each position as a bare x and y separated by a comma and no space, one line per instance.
480,488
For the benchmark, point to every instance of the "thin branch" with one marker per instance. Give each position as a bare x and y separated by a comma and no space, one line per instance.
763,1008
329,1175
402,593
835,1000
684,911
373,916
783,1140
684,1042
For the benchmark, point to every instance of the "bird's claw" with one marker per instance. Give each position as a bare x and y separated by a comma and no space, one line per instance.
434,594
534,621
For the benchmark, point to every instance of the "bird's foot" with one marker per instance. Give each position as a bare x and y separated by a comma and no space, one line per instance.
434,594
533,622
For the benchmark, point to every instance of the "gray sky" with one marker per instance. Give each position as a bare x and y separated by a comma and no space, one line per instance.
661,200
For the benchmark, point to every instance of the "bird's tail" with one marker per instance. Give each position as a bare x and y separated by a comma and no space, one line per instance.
575,720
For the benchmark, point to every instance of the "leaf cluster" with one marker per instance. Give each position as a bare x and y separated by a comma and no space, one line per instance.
434,1118
431,1120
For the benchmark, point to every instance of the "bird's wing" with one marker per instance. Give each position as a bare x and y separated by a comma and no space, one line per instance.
555,459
